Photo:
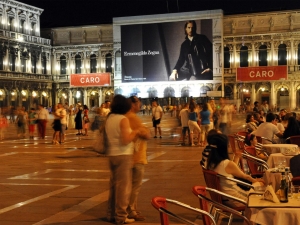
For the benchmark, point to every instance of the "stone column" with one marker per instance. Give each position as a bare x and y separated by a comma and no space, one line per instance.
234,92
69,71
18,61
292,93
70,97
253,93
272,95
28,68
100,96
85,99
39,66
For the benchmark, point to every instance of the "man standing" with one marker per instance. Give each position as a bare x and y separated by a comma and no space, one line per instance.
256,107
139,157
106,110
42,119
195,59
67,108
61,112
157,113
223,112
184,118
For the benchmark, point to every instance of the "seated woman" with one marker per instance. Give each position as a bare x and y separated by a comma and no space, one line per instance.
219,162
292,129
250,123
251,140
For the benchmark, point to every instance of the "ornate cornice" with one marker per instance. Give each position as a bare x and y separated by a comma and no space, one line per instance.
21,5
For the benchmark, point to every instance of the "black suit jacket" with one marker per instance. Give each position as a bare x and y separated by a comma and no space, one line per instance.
295,165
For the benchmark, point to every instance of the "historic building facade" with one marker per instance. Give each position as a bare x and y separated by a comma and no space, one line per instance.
37,70
25,70
263,39
81,50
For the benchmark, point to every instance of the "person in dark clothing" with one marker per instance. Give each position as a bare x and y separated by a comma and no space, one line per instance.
292,129
78,119
195,59
295,165
256,108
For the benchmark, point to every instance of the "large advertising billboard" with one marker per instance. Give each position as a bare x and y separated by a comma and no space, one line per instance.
171,51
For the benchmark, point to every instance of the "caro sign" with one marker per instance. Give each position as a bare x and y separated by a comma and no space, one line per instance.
91,79
261,73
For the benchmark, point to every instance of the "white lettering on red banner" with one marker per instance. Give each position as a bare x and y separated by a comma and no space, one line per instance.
261,73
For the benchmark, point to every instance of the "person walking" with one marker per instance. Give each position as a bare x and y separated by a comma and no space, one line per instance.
157,113
86,120
42,119
139,157
32,122
193,125
184,119
78,119
120,150
205,118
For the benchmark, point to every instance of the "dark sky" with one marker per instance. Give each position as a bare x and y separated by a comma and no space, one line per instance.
59,13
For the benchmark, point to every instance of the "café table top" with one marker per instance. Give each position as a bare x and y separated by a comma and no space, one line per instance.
255,201
276,157
277,148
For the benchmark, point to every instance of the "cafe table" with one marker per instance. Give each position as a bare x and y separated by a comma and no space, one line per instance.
277,158
277,148
265,212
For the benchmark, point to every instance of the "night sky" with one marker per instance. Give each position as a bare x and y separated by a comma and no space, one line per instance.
60,13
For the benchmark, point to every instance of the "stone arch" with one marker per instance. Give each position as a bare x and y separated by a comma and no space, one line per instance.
169,92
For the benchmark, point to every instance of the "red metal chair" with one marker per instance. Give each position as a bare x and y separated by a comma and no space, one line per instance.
295,140
243,133
256,165
296,180
212,180
201,193
160,203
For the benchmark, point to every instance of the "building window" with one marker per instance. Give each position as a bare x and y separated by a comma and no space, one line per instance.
298,59
12,59
108,63
1,18
10,23
93,63
33,64
44,65
262,56
77,64
63,64
22,26
1,59
244,56
24,58
33,28
226,57
282,55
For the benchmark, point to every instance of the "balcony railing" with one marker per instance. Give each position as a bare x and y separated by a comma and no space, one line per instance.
24,76
24,37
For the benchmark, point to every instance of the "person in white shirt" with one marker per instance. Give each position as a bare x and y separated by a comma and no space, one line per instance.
42,119
224,116
157,113
268,129
184,118
63,122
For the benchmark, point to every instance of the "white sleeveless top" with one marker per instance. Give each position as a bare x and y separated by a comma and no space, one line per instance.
113,131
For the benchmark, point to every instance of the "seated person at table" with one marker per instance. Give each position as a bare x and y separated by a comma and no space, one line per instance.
292,129
207,149
295,165
268,129
251,140
219,162
251,123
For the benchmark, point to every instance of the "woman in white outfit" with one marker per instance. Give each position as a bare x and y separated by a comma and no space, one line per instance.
119,152
219,162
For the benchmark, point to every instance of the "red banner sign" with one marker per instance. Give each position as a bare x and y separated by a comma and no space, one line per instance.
90,80
262,73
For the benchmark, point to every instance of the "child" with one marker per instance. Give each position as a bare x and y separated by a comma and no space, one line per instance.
3,125
31,122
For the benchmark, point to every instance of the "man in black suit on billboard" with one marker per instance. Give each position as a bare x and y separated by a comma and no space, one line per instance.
195,59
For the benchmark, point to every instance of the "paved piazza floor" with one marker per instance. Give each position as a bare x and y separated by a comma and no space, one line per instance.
42,183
